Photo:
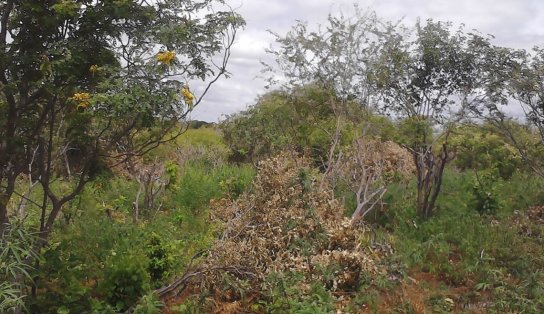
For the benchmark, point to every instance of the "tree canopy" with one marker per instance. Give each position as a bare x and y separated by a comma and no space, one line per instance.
88,83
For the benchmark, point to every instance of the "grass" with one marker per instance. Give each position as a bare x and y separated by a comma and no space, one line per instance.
488,254
96,248
492,260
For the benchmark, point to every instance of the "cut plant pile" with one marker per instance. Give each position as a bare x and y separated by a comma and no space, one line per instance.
284,225
393,158
529,223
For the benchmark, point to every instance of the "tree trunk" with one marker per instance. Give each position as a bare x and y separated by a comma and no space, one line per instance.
136,205
5,196
4,219
430,170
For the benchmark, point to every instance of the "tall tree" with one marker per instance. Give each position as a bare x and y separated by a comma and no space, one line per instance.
86,84
336,55
430,78
521,83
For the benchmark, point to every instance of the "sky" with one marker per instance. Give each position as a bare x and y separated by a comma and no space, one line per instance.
513,23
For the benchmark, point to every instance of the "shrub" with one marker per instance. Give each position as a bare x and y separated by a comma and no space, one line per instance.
479,148
125,281
485,193
303,119
149,304
159,259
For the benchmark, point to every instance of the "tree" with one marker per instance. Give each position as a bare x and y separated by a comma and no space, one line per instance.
430,80
428,76
522,82
86,85
337,56
296,120
482,148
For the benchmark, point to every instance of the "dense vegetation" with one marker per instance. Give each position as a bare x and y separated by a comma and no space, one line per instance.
380,174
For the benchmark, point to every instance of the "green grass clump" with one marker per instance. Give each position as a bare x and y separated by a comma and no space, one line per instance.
480,249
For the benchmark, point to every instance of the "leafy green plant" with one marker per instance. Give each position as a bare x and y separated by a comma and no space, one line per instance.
16,249
482,148
485,192
198,185
125,281
159,260
285,296
148,304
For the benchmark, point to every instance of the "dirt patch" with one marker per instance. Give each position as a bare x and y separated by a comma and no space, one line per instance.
427,293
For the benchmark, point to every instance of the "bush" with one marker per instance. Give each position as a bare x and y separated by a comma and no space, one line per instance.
485,192
301,120
479,148
159,259
125,281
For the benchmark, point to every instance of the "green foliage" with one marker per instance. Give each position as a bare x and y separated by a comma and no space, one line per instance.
114,194
205,136
281,121
522,191
125,281
74,262
525,72
15,251
303,120
286,296
462,247
88,83
149,304
415,132
66,83
485,192
198,184
82,268
481,148
159,261
172,173
74,266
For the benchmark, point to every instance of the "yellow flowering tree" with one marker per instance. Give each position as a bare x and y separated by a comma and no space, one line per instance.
188,97
82,100
82,86
166,57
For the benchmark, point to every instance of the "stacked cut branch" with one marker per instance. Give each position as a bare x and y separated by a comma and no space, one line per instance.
285,224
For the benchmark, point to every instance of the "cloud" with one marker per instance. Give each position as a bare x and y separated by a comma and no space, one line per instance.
514,23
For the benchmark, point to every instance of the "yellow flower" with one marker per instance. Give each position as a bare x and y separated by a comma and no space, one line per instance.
93,68
166,57
188,96
82,99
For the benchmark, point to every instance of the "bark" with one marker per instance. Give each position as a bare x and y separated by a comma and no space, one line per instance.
430,171
5,196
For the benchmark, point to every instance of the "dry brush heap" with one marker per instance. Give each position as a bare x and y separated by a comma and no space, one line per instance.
285,224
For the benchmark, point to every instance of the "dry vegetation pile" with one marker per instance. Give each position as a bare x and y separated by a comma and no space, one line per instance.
284,224
287,225
529,223
393,158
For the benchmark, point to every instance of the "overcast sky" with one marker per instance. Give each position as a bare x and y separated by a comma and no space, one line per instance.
514,23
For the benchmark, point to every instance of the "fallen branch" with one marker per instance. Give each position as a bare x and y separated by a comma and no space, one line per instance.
184,280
